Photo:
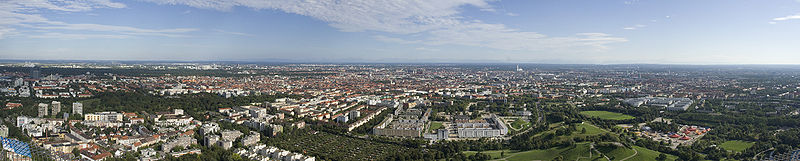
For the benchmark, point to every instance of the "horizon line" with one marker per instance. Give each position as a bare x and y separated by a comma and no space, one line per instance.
283,61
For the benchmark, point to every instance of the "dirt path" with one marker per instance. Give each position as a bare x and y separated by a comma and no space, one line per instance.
635,152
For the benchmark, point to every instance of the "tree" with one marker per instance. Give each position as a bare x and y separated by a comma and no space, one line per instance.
583,130
480,156
661,157
559,158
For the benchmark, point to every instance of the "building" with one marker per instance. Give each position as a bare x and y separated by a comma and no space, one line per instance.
211,140
231,135
251,139
103,116
56,106
342,119
77,108
405,123
11,105
487,127
4,131
354,114
209,128
275,129
225,144
672,104
19,82
42,109
183,141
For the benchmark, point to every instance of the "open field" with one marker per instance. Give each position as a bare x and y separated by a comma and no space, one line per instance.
590,129
435,125
647,154
578,152
607,115
519,124
736,145
581,150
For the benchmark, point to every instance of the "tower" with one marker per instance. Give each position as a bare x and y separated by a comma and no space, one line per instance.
56,107
77,108
42,109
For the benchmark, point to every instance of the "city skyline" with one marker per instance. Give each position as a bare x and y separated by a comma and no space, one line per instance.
468,31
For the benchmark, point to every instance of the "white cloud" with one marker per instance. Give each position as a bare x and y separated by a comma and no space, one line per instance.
65,5
15,14
394,40
790,17
438,22
426,49
233,33
634,27
631,2
52,35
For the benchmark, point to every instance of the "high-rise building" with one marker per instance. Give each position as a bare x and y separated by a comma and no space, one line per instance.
77,108
4,131
354,114
35,73
42,109
56,106
19,82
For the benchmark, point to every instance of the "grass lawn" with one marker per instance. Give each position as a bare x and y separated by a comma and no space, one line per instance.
569,153
578,152
647,154
494,153
736,145
435,125
607,115
615,152
590,130
519,124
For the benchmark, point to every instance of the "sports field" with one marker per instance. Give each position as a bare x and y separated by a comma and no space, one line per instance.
736,145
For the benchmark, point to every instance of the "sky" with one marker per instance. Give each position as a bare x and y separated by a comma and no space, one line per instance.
405,31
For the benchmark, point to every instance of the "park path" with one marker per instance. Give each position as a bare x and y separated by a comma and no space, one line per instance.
635,152
591,147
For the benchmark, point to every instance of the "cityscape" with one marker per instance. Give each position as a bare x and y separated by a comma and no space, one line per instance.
448,80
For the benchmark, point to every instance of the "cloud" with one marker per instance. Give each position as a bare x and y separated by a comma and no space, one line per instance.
15,14
52,35
426,49
437,22
233,33
631,2
634,27
395,40
790,17
65,5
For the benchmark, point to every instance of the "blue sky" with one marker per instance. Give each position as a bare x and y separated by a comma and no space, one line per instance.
510,31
